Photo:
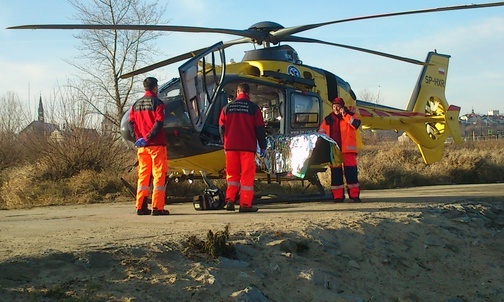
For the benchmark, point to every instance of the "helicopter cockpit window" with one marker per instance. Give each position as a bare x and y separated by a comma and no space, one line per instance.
175,113
305,110
172,93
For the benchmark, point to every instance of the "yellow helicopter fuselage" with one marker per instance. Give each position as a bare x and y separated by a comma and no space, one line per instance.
295,98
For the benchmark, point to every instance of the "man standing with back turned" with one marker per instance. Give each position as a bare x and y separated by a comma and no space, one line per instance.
146,125
241,127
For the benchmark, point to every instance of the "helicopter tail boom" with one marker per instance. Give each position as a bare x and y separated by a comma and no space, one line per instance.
429,98
428,119
434,153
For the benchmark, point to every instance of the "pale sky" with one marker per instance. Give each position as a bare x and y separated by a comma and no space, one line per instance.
32,62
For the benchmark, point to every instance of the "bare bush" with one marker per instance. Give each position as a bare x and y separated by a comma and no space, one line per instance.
74,168
92,172
391,165
74,151
22,190
12,119
52,156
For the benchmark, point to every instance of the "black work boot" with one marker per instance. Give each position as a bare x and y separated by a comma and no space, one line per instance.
156,212
143,210
230,206
248,209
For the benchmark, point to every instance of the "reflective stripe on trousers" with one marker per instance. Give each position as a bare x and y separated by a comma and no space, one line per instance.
152,161
240,174
349,167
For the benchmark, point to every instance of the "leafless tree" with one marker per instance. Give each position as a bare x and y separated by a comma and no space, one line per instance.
368,96
68,141
68,110
13,117
106,54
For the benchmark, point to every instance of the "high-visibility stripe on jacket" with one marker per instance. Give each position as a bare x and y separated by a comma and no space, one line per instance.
241,125
146,119
347,135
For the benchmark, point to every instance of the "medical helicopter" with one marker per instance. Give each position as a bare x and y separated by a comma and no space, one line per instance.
294,98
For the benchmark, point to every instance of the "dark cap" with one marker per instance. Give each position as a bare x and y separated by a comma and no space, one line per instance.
339,101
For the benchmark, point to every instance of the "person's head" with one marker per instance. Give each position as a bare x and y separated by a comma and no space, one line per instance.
337,104
243,88
150,84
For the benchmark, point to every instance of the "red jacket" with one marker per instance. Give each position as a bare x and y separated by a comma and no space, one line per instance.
146,119
241,125
346,137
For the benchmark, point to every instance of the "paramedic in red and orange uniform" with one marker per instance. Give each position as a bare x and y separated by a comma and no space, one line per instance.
241,126
341,125
146,122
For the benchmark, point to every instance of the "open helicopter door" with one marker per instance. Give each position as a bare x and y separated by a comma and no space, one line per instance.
201,78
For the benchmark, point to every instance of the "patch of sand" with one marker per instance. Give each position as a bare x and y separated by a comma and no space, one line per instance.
440,243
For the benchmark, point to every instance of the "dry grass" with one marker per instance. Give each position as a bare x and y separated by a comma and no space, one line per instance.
65,180
391,165
24,191
74,171
215,246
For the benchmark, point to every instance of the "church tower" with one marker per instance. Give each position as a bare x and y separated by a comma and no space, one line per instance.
40,111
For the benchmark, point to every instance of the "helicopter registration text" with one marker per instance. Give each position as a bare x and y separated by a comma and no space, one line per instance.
434,81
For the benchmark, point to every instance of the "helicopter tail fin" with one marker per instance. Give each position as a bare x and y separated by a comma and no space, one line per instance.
428,98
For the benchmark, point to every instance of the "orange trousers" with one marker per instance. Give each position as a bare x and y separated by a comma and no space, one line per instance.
152,161
240,175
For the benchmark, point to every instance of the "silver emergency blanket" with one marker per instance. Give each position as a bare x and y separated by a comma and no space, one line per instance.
291,154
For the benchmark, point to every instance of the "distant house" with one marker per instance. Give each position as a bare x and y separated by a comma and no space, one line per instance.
41,129
471,118
493,112
85,133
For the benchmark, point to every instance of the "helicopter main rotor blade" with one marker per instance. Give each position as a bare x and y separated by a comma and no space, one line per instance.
374,52
181,57
174,28
259,35
285,32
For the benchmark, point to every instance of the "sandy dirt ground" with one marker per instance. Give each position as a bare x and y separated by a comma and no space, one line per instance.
440,243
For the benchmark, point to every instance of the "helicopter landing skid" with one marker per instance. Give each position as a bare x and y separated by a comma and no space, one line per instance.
258,199
169,199
129,187
271,199
313,180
